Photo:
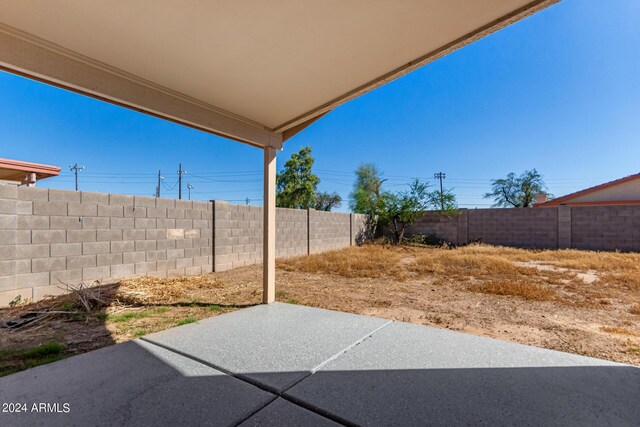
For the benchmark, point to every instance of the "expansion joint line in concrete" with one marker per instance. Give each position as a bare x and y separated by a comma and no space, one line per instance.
338,354
280,393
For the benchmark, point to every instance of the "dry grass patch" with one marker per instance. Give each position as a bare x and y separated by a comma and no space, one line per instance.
460,264
525,290
618,269
372,261
619,331
157,291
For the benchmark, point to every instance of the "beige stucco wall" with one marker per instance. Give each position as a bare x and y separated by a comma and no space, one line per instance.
629,190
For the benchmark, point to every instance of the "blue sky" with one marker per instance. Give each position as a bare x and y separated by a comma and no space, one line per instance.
559,91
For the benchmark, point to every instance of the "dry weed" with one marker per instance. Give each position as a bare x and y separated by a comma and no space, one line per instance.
153,290
370,261
619,331
455,263
525,290
615,262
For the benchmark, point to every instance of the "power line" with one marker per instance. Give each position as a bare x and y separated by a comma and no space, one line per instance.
75,168
166,186
440,176
180,173
160,178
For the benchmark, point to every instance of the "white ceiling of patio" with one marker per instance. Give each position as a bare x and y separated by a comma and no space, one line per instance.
270,65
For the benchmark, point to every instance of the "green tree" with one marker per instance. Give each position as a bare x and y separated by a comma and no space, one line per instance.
326,201
444,201
401,209
366,197
367,189
296,184
516,191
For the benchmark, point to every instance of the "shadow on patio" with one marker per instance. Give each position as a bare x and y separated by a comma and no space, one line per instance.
367,372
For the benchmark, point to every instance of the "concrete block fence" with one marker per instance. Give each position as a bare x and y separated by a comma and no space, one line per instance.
237,233
606,228
52,237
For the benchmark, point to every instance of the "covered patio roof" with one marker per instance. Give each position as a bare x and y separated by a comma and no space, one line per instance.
248,70
257,72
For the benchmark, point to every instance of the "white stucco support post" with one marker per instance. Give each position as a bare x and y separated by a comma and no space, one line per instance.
269,227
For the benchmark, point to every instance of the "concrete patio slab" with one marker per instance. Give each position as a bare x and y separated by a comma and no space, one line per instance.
134,383
349,369
282,413
408,374
273,345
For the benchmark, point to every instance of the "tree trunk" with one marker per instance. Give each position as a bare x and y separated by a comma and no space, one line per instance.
401,236
396,232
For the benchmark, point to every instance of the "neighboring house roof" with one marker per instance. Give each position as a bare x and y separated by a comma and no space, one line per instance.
569,199
15,170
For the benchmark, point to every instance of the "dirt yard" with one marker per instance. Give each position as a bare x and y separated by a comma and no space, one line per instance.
581,302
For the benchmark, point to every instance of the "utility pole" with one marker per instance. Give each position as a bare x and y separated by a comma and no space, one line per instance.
440,176
180,173
160,177
75,168
189,187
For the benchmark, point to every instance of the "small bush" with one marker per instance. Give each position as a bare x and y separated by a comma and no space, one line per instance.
427,240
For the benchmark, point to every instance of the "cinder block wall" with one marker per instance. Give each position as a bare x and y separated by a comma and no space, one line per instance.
533,228
328,231
605,227
615,227
437,224
358,228
52,237
238,233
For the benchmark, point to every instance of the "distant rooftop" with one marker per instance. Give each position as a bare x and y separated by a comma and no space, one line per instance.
16,170
620,191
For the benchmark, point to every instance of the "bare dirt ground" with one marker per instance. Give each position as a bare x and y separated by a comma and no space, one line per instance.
576,301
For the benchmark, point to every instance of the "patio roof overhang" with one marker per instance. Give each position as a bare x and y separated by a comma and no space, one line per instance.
253,71
257,72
